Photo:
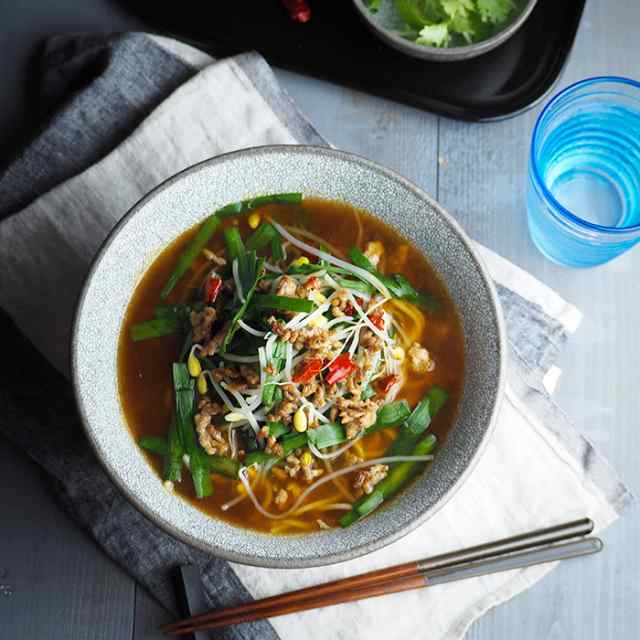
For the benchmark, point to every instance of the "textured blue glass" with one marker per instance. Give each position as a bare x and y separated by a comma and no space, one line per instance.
583,190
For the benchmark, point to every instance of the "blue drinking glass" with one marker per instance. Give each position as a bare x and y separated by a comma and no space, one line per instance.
583,191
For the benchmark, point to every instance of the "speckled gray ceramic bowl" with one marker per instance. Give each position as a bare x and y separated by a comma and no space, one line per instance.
183,201
443,54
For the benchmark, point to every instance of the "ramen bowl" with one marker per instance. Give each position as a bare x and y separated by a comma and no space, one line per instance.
184,200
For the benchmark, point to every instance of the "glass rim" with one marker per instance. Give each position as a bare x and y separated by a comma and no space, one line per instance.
559,208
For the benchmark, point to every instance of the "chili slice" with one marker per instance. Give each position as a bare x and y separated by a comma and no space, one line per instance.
308,370
384,384
340,369
211,288
298,10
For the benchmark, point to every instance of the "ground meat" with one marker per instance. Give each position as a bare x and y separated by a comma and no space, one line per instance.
355,383
296,469
367,479
281,499
292,465
213,345
308,287
202,322
340,303
319,399
287,286
211,439
216,259
237,378
273,447
369,340
356,415
351,458
312,338
419,359
284,410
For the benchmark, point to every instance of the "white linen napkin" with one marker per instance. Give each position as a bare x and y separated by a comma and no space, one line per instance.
536,470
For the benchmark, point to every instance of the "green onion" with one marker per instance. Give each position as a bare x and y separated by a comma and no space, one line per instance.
155,328
277,252
222,465
391,415
235,246
397,284
262,236
355,285
399,476
284,303
154,444
175,451
259,457
418,422
292,442
203,236
257,269
271,392
245,206
183,386
276,429
326,435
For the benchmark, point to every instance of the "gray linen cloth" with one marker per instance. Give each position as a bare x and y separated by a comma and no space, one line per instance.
110,100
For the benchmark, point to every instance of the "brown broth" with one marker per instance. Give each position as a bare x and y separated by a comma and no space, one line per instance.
144,368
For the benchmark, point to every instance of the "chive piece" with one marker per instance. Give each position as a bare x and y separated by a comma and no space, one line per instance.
277,429
265,234
355,285
292,442
244,206
391,415
326,435
360,260
284,303
183,386
258,268
418,421
155,328
235,246
259,457
175,451
399,476
154,444
222,465
277,252
271,392
203,236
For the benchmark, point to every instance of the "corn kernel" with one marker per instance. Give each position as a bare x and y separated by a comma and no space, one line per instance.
233,416
194,366
318,298
300,421
202,384
306,459
240,487
254,220
318,322
299,262
398,354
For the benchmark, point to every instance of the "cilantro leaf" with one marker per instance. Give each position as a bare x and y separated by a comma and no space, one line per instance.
434,35
495,11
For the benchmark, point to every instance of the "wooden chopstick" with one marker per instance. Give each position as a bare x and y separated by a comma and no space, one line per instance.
390,580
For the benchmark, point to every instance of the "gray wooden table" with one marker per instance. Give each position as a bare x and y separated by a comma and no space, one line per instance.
63,586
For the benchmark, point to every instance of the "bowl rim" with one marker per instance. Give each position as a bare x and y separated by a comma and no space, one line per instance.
354,551
444,54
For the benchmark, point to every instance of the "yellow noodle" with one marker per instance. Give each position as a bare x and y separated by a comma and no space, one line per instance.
283,525
316,505
342,487
357,447
266,501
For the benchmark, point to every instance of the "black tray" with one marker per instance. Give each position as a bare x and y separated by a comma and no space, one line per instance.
336,45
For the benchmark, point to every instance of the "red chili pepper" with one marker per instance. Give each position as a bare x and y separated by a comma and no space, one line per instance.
311,282
377,320
384,384
308,370
298,10
349,309
211,288
340,369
